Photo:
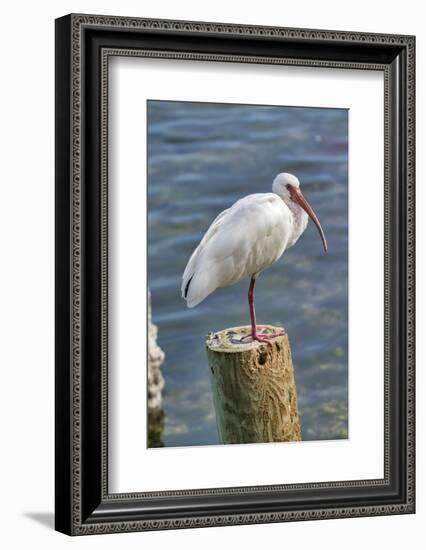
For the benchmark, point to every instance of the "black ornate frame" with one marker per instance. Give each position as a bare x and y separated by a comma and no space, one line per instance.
83,45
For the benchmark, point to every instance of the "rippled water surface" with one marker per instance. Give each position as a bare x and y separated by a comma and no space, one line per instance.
201,159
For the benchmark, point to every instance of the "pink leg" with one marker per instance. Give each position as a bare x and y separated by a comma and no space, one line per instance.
254,335
251,305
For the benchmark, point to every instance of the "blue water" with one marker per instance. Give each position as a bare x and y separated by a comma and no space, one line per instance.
201,159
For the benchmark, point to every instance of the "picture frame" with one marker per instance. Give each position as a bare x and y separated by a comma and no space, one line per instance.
83,503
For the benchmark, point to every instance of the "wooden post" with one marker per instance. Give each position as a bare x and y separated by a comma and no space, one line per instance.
155,360
155,384
253,385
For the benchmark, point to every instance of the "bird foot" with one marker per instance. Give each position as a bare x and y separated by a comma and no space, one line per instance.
263,338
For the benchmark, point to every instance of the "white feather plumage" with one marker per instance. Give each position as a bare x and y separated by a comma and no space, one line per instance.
244,240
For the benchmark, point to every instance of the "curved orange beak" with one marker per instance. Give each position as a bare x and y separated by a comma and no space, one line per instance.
297,196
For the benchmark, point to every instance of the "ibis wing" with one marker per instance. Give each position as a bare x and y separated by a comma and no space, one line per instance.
194,260
241,241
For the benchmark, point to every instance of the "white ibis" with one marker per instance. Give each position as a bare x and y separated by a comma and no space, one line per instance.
247,238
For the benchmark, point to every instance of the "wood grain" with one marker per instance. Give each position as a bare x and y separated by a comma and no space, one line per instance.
254,389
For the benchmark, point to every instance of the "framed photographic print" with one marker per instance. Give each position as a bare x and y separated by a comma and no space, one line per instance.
234,274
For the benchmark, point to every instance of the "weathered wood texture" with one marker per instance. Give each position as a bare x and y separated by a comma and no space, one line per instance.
155,360
254,390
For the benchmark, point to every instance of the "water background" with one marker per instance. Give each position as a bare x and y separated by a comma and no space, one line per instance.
201,159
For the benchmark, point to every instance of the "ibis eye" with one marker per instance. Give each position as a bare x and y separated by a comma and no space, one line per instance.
288,186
